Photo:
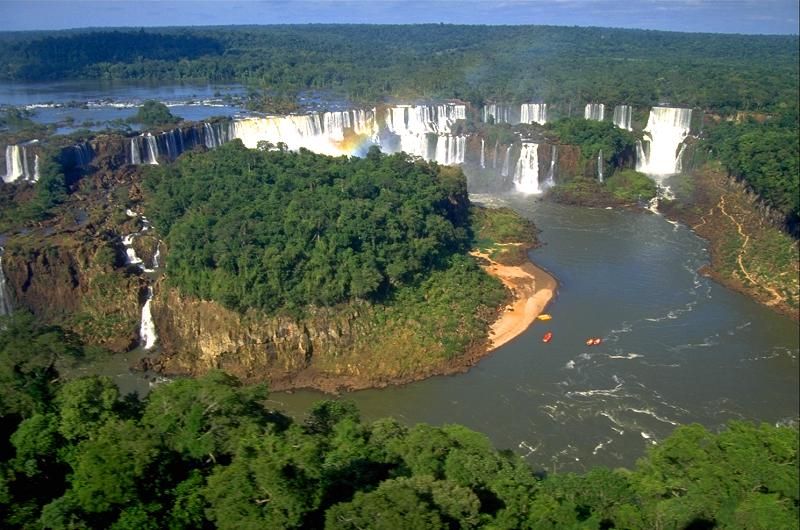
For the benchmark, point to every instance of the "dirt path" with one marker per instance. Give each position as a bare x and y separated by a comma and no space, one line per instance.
532,289
776,297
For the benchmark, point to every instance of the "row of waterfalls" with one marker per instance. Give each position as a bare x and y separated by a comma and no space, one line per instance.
431,132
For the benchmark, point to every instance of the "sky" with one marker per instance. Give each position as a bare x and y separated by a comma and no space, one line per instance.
714,16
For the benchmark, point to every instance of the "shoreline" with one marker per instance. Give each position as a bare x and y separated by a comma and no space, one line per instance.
532,289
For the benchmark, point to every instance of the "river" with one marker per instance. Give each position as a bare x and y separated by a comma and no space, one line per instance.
677,348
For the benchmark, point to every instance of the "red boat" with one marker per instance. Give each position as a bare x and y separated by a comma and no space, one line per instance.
589,341
547,336
596,341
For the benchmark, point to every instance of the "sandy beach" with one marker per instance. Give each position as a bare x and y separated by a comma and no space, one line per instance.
532,289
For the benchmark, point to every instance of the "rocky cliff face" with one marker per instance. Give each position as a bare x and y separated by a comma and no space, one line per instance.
197,336
74,280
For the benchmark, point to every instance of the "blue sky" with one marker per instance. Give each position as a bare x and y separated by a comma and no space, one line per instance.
717,16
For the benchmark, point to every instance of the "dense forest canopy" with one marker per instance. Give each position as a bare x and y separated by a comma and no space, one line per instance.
270,228
208,453
371,62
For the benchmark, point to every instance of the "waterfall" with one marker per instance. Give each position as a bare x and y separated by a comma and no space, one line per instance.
500,113
526,174
533,113
594,111
506,162
136,157
5,296
331,133
427,131
551,173
147,329
622,117
152,149
494,158
83,155
18,164
483,159
13,163
600,165
666,130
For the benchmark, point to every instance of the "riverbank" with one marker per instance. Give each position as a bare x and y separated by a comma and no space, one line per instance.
531,288
748,253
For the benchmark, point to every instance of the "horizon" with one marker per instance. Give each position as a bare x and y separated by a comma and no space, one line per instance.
743,17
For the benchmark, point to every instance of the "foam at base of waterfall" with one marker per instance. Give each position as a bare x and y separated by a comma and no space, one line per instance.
667,128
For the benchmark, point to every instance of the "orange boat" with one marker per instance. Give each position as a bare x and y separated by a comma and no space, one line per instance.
547,336
589,341
596,341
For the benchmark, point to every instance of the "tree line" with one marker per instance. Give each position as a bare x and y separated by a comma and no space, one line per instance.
368,63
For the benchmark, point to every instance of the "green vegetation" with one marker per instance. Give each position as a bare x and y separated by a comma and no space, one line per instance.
581,191
49,192
631,186
274,229
153,114
748,252
592,137
206,453
503,233
370,62
767,156
101,54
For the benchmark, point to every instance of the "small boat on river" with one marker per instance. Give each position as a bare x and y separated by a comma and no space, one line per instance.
547,337
544,316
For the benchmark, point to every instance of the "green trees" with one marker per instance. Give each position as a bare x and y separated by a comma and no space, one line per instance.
369,63
766,155
154,113
206,453
277,229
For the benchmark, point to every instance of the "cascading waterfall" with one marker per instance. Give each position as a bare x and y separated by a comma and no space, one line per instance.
450,150
5,298
551,173
498,113
533,113
83,155
17,164
600,165
622,117
666,130
147,328
483,159
152,149
328,133
506,163
494,158
136,158
526,173
594,111
13,163
427,131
